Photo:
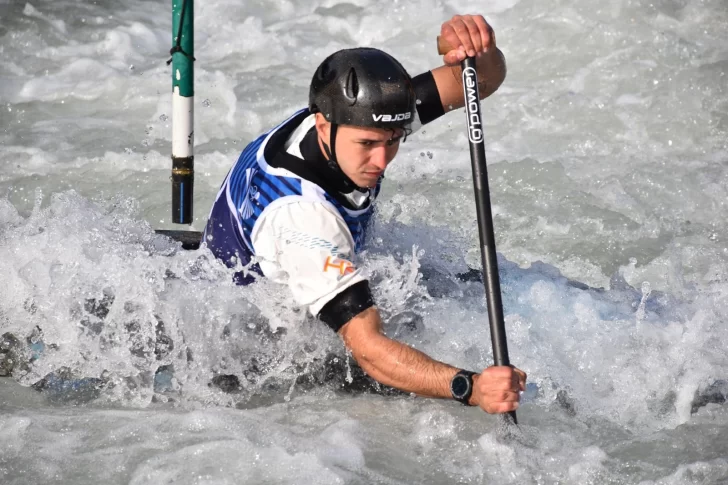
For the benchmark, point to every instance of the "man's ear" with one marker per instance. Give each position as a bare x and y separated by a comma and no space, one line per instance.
323,127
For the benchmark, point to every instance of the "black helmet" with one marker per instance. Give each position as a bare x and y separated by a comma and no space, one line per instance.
363,87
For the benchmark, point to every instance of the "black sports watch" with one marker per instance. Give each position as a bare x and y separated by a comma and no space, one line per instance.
461,386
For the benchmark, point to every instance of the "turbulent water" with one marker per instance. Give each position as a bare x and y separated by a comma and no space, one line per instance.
609,175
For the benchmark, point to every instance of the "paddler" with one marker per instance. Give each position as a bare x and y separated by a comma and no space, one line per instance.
300,197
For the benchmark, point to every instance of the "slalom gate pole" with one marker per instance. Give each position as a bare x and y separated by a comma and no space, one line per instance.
183,96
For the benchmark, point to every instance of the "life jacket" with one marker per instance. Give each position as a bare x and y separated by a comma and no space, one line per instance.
252,186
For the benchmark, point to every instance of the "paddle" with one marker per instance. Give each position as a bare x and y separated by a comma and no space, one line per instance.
482,206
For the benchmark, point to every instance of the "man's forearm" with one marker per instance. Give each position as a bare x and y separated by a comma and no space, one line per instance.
393,363
398,365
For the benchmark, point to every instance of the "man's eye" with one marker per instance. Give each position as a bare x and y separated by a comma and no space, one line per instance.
367,143
393,141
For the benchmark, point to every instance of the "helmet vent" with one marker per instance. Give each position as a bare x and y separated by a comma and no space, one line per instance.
352,86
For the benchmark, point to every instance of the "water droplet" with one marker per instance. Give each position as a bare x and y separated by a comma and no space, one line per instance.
131,67
206,103
163,117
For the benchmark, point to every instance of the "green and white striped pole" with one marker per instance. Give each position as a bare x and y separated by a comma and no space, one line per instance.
183,96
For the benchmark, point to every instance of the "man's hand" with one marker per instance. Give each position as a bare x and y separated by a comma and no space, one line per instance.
497,389
468,35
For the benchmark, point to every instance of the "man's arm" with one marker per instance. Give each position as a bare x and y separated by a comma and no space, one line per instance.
305,245
392,363
468,35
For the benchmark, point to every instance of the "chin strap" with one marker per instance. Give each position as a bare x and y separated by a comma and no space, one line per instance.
333,163
331,152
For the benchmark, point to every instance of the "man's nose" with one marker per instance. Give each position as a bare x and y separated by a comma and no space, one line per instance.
379,158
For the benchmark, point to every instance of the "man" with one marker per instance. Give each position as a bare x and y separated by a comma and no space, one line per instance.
299,198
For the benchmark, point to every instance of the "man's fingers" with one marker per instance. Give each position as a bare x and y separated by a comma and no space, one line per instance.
457,52
468,35
499,371
516,382
486,32
451,58
463,34
498,388
500,407
521,378
475,37
514,377
502,378
503,396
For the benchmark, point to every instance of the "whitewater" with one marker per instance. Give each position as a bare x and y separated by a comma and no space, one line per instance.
608,163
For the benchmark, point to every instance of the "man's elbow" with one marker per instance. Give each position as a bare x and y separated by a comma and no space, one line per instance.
360,336
494,75
501,70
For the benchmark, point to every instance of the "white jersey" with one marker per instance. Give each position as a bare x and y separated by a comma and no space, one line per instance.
307,245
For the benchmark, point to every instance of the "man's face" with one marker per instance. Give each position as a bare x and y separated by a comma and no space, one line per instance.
362,153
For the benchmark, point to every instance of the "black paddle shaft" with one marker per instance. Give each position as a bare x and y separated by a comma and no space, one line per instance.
485,216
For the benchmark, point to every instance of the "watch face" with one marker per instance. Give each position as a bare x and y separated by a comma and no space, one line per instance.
460,386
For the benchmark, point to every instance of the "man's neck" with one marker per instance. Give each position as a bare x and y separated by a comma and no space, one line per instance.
313,152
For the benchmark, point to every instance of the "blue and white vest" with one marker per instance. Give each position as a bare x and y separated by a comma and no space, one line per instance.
252,187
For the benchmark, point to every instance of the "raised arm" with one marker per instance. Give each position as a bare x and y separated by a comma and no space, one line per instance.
468,35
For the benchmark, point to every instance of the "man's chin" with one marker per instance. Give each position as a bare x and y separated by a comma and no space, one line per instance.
369,181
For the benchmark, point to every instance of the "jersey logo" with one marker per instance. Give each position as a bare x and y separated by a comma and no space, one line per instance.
250,194
343,266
